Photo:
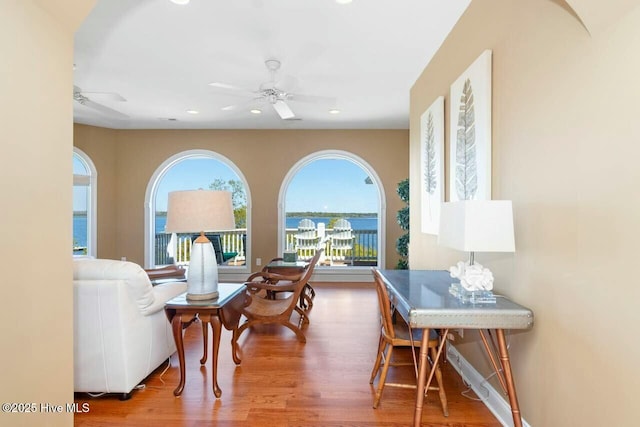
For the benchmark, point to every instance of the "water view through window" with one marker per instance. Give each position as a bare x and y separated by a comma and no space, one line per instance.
333,193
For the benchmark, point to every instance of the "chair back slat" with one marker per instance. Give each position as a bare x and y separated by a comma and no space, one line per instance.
384,303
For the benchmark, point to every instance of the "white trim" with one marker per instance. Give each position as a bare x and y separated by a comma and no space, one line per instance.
90,181
492,399
149,214
326,273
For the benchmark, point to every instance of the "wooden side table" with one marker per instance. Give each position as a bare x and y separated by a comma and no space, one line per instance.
224,310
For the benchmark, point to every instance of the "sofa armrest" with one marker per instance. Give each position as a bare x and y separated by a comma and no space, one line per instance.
163,293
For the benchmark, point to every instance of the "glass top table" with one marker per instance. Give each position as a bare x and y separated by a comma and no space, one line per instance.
225,310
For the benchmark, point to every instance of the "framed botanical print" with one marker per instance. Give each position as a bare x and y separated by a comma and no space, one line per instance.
470,132
432,165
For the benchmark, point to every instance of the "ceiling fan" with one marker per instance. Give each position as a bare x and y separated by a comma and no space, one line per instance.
86,99
276,93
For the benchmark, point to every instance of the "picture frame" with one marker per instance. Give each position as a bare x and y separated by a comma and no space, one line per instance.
432,165
470,132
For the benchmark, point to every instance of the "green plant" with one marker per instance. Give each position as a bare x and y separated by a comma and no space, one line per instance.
402,244
238,198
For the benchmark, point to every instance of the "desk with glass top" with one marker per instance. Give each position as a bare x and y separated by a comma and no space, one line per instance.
422,298
224,310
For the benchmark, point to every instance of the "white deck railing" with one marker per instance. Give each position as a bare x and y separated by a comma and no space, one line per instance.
233,241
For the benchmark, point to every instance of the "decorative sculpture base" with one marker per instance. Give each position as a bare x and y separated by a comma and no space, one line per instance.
202,297
471,297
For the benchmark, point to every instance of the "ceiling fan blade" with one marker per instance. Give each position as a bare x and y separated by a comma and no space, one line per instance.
241,106
287,83
103,109
283,110
232,90
312,98
106,96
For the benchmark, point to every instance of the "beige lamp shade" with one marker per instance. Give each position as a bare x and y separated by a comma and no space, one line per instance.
199,210
477,226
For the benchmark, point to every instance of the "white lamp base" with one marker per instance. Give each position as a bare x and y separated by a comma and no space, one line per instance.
202,277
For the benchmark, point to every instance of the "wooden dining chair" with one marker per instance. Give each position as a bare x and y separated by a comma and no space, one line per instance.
396,334
264,309
275,274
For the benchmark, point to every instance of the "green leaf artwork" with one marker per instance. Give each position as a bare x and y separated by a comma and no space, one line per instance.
466,162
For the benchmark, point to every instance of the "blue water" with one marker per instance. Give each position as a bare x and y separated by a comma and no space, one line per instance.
292,222
80,225
80,230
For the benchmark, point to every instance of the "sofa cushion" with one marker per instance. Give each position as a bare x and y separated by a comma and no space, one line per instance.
136,279
163,293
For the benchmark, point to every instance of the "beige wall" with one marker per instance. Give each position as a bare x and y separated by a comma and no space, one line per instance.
127,159
565,150
35,182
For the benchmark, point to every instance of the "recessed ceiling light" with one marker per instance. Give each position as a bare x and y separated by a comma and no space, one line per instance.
193,111
343,1
180,2
334,111
228,108
256,111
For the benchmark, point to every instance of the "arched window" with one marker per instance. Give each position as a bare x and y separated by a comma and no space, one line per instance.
84,204
192,170
330,187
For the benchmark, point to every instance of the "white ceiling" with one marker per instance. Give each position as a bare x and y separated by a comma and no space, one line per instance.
161,57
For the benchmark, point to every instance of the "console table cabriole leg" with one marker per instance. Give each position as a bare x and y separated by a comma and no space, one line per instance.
422,377
205,337
230,316
511,388
216,327
176,326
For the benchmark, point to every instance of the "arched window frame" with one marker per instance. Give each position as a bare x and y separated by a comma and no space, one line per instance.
90,181
382,209
150,214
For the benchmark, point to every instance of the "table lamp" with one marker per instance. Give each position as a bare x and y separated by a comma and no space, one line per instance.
200,211
476,226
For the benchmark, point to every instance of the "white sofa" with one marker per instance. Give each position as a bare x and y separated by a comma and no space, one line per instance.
121,333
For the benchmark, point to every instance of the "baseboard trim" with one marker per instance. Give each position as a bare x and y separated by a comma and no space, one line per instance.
492,399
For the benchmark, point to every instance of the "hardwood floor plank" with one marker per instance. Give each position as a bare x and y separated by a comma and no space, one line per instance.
282,382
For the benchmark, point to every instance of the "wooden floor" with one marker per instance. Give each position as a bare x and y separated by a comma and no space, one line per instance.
282,382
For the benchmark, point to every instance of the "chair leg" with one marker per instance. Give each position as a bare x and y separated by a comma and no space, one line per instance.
297,331
383,375
441,392
376,365
304,319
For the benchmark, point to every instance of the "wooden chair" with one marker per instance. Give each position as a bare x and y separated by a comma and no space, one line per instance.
263,309
294,273
394,335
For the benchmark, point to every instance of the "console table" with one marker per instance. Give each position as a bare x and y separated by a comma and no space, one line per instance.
422,298
224,310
